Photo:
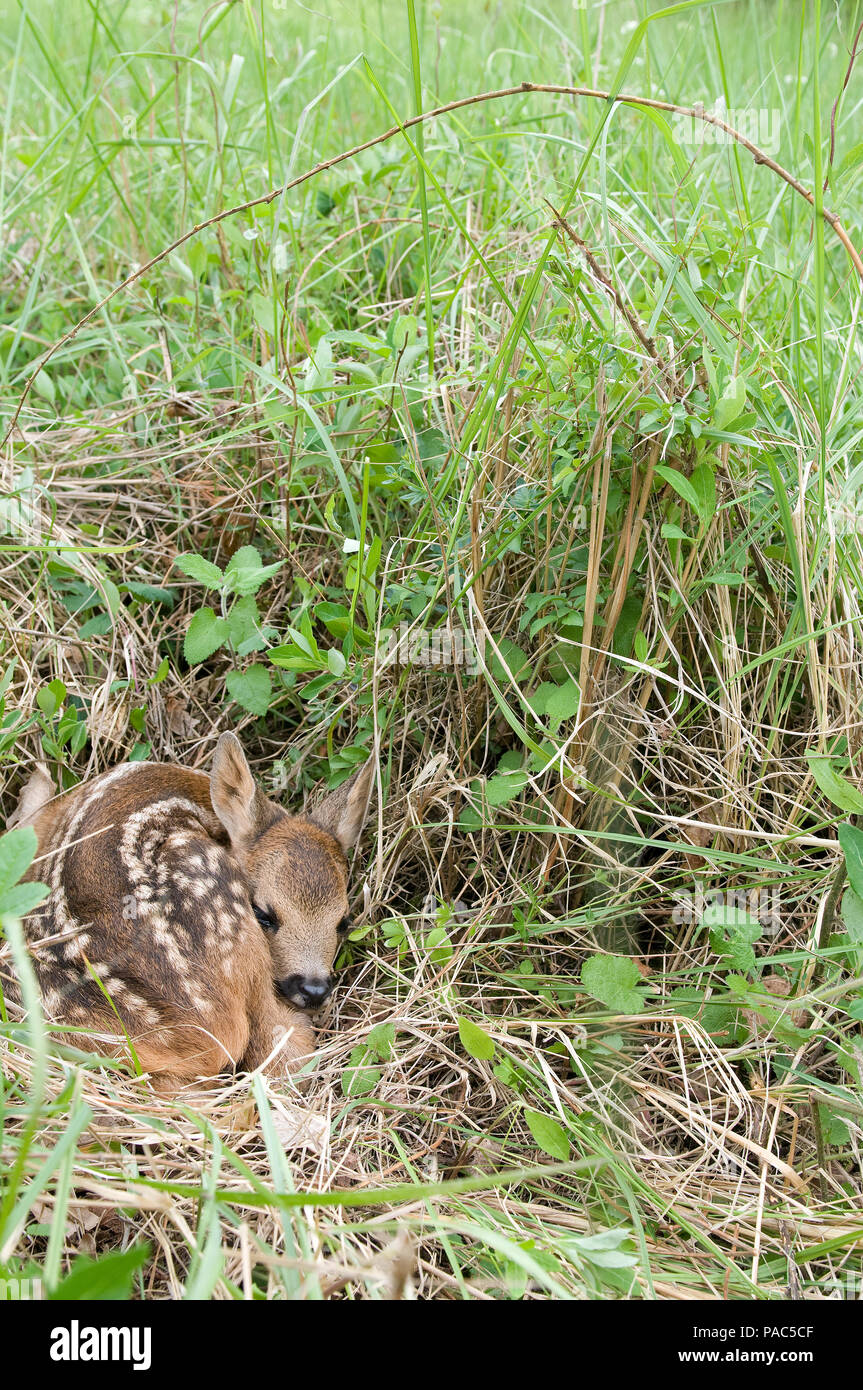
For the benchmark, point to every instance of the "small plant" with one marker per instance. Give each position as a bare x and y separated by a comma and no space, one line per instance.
238,625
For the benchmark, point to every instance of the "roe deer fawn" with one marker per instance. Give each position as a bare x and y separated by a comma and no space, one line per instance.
195,907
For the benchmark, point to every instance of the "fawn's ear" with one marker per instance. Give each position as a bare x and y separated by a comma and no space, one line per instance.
36,792
342,812
237,799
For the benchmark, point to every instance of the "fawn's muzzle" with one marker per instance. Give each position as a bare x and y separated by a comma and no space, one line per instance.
305,991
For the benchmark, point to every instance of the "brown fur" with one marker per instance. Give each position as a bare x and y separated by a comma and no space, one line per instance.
154,870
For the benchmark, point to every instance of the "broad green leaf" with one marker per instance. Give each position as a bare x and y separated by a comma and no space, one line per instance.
503,786
732,932
359,1079
17,848
510,653
613,980
562,704
150,593
50,698
704,484
731,403
837,789
246,572
201,570
251,688
381,1040
7,678
22,898
290,658
475,1041
721,916
851,840
306,643
549,1135
627,623
852,916
438,946
682,486
336,618
320,374
107,1279
205,635
44,386
243,623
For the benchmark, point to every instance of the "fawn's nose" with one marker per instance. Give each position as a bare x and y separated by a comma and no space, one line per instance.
306,991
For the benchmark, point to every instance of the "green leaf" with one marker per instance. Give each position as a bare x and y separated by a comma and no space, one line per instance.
201,570
291,658
381,1040
562,704
205,635
721,916
336,618
51,697
18,901
731,403
612,980
732,934
107,1279
357,1079
627,624
246,572
682,486
837,789
510,653
320,375
475,1041
7,678
503,786
96,626
150,593
44,386
336,661
17,848
438,946
244,624
852,916
851,840
251,688
704,484
549,1135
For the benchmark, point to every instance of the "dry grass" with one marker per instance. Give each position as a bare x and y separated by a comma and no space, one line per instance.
694,1143
699,1136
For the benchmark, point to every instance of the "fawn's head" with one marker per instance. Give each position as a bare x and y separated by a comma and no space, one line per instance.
295,868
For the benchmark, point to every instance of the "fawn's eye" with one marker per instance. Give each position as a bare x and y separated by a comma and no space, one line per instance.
345,925
266,919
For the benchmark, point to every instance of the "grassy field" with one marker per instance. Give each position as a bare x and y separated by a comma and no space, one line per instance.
543,419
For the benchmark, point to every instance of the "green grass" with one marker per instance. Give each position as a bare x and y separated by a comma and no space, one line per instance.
541,370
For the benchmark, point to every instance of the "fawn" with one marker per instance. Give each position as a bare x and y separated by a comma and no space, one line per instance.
191,908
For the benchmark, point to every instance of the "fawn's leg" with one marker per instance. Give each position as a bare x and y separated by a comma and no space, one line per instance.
273,1021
